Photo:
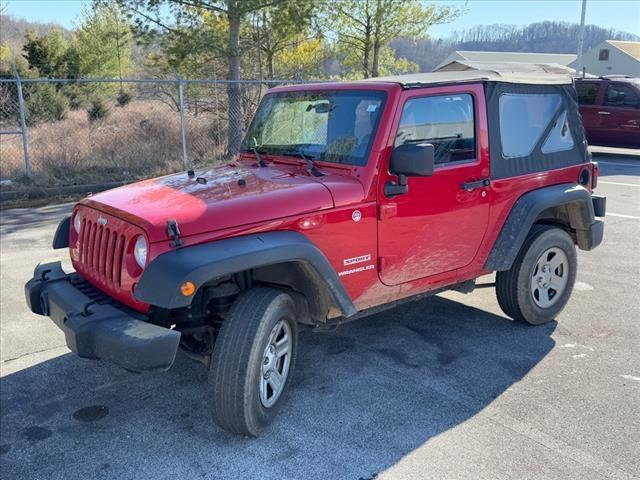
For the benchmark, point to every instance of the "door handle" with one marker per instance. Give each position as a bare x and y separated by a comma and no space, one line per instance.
469,186
604,113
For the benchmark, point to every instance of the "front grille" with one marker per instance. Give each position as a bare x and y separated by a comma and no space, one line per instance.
101,252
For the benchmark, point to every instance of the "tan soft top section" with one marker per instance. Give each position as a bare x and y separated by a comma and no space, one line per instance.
508,75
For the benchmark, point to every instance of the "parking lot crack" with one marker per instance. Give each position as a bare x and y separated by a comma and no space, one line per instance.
30,353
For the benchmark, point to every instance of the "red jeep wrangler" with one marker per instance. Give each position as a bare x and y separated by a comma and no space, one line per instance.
345,199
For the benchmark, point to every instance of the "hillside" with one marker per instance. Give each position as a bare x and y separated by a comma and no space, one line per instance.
542,37
13,30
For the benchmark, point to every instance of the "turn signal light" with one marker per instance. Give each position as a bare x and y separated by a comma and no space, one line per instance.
187,289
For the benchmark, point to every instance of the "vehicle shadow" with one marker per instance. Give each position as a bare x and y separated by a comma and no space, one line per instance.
363,397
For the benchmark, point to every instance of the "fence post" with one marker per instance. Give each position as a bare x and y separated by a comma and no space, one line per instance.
182,125
23,123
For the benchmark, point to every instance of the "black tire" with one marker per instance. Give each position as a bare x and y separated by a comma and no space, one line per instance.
513,287
237,360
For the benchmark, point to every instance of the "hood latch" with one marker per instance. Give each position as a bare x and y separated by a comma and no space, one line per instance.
174,232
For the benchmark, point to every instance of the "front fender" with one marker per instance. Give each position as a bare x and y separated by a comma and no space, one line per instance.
160,283
61,237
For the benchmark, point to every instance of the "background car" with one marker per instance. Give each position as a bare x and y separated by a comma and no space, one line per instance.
610,109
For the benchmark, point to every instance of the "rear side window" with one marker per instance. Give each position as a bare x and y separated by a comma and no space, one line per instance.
523,120
446,121
620,96
587,93
559,137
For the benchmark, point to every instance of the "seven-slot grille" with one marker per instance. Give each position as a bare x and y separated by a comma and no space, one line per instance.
101,252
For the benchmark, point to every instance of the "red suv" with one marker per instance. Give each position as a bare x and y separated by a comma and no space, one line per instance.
344,200
610,109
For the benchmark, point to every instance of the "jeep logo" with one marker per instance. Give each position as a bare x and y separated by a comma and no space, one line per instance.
102,221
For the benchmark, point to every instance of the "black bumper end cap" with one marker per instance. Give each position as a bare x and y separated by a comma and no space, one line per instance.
590,239
99,332
599,205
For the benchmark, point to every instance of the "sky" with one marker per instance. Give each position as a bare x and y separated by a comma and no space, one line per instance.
620,14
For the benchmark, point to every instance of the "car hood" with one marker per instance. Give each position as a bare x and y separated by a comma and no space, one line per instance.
232,196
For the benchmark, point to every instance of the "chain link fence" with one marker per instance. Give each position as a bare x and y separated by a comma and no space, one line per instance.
92,132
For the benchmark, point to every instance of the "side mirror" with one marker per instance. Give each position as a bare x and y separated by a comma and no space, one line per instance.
409,160
413,160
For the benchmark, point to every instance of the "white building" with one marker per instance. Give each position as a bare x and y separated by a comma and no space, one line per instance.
612,57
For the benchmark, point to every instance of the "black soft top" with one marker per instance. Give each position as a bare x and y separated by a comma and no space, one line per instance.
522,120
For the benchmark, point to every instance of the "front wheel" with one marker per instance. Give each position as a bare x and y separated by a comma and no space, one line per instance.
252,361
540,281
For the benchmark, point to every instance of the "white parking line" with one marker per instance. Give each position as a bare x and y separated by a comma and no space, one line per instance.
622,216
637,185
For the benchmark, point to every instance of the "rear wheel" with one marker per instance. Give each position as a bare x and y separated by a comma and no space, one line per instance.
540,281
252,361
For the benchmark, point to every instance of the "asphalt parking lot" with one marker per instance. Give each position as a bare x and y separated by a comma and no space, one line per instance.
442,388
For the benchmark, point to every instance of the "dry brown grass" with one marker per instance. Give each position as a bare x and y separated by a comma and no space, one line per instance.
140,140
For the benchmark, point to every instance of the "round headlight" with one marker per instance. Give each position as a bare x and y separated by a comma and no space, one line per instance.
140,251
77,222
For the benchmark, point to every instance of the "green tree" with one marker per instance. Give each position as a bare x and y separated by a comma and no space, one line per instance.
280,28
48,55
302,60
230,14
4,53
366,27
43,103
196,49
388,63
103,43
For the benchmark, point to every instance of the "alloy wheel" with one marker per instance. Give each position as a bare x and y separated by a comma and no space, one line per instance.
276,363
549,277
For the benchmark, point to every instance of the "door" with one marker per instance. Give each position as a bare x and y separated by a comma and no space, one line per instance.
438,225
620,116
588,100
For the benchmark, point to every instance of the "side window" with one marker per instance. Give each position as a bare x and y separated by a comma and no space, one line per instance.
559,137
620,96
523,120
446,121
587,93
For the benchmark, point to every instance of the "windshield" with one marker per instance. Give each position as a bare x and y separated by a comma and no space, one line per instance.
332,126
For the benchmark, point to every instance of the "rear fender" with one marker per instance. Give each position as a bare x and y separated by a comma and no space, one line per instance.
568,203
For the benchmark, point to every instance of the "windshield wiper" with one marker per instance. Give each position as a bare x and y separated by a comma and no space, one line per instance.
258,157
311,167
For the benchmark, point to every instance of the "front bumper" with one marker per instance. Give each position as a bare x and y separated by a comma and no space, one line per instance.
95,329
